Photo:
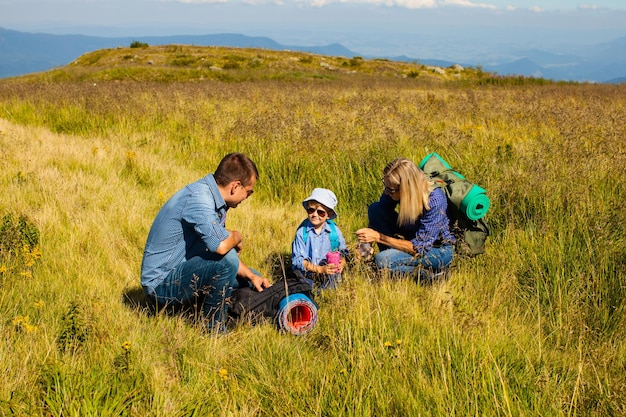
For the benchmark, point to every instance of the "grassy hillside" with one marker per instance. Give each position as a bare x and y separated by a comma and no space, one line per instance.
169,63
535,326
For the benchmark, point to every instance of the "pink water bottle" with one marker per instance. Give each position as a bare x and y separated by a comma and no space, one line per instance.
333,258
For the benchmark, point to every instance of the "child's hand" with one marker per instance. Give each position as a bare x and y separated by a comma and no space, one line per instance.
330,269
341,266
338,268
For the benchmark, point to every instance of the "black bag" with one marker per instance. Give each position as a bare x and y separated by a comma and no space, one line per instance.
248,303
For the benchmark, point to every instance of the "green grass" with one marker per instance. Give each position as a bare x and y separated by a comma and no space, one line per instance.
533,327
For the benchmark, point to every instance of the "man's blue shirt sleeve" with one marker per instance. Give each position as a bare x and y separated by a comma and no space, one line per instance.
207,220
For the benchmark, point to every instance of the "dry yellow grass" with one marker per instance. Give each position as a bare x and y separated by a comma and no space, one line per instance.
534,326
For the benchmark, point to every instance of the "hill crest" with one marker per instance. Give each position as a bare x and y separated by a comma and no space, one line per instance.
24,53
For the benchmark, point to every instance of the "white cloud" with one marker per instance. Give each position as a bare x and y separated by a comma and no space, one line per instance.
467,3
263,2
201,1
589,7
408,4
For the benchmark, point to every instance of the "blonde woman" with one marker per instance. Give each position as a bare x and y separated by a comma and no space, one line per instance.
414,239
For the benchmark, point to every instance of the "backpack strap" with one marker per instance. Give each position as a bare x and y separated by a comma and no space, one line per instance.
334,236
302,226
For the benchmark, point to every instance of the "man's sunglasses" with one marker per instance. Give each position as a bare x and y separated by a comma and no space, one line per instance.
320,212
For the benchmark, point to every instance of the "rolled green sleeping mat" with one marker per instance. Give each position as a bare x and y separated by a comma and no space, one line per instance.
476,203
469,198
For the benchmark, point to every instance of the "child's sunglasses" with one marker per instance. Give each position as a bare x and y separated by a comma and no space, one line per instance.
320,212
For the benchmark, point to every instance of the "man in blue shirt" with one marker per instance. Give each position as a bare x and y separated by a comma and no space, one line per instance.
190,253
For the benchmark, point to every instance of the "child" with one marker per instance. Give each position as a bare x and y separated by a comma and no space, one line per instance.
317,240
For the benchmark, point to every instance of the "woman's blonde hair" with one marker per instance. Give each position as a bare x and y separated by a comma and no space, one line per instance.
414,188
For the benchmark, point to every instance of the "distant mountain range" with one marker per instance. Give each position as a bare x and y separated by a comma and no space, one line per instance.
23,53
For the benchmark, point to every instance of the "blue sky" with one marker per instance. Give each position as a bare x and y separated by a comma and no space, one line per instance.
444,29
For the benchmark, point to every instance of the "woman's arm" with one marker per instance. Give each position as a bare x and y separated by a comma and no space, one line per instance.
368,235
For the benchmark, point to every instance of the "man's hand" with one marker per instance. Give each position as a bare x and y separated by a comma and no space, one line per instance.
259,282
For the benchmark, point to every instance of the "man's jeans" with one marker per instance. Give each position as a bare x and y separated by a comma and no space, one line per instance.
212,279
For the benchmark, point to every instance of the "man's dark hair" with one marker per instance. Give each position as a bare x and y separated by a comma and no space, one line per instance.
235,167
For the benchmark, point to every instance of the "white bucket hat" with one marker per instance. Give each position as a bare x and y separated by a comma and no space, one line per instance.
325,197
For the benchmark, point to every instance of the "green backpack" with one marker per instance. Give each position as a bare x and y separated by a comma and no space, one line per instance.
467,205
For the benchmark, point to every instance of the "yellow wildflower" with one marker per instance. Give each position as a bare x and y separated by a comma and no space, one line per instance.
223,373
22,324
387,343
20,320
29,328
36,252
